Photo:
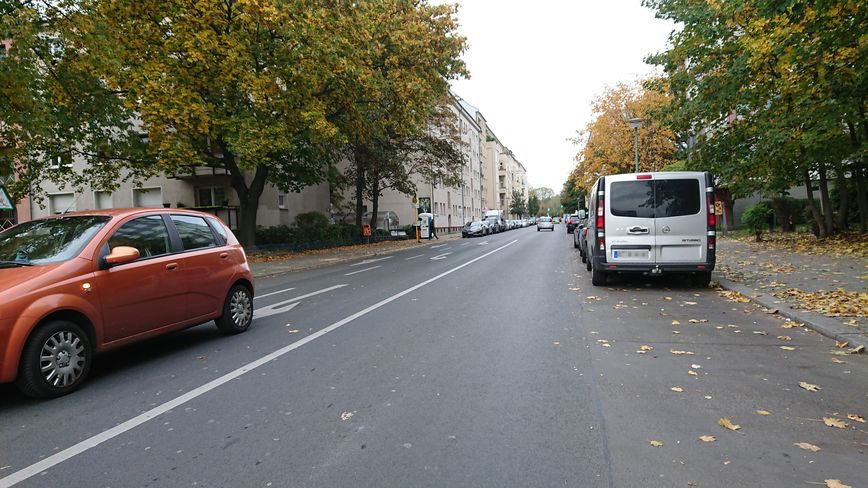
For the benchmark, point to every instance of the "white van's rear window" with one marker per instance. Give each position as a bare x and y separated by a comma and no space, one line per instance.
655,198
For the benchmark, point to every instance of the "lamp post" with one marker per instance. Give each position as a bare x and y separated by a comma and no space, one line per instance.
635,123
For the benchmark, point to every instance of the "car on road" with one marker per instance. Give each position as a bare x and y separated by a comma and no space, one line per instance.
78,284
474,228
652,224
545,223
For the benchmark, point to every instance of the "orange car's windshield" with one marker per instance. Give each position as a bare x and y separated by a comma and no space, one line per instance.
48,241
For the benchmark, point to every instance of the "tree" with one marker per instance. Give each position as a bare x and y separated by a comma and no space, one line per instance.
770,95
518,206
606,144
533,205
543,193
573,195
266,90
757,218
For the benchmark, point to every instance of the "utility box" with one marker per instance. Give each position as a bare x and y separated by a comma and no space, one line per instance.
424,229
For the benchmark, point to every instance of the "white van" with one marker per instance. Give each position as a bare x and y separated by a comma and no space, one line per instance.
653,224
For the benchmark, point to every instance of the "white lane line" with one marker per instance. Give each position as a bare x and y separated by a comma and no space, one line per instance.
369,261
440,256
414,257
483,243
90,443
363,270
438,245
281,307
274,293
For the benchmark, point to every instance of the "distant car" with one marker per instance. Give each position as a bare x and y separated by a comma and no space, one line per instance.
81,283
572,222
487,227
545,223
472,229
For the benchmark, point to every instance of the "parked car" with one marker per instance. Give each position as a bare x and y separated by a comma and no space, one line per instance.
497,224
487,227
78,284
474,228
653,224
572,222
545,223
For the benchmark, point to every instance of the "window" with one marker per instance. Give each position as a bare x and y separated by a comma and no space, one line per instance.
148,197
102,199
194,231
147,234
211,197
60,160
218,226
61,203
281,199
632,199
655,198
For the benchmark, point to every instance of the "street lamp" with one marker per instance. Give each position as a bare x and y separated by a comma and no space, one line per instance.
635,123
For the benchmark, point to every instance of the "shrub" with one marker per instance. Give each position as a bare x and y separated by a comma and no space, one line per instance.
757,218
311,219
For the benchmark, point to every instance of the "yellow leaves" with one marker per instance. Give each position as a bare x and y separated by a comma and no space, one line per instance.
835,483
603,342
644,348
855,418
838,303
692,373
727,424
785,338
707,438
346,416
809,386
677,389
763,412
733,296
833,422
787,348
807,447
841,345
675,322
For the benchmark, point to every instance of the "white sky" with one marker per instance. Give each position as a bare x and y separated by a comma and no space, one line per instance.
537,65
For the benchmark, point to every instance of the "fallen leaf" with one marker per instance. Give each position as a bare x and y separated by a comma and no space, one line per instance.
606,345
707,438
675,322
696,366
655,443
841,345
833,422
667,298
771,311
292,331
787,348
838,353
679,353
857,418
690,303
785,338
836,484
346,415
807,447
692,373
836,360
693,321
644,348
676,389
760,332
556,343
856,350
727,424
763,412
809,386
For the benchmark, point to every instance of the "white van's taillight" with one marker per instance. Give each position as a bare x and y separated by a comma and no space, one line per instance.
601,221
712,220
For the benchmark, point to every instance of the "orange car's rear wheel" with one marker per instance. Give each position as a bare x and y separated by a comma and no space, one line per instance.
55,361
237,311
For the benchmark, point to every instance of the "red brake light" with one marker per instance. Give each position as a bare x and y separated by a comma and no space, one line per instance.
643,177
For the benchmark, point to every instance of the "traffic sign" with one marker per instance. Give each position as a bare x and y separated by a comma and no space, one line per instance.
718,208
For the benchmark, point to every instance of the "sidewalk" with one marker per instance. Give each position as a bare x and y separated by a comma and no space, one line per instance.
827,292
264,264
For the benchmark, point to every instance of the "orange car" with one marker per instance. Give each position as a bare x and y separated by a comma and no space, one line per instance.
81,283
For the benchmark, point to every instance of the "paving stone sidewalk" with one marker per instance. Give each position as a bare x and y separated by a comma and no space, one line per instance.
775,279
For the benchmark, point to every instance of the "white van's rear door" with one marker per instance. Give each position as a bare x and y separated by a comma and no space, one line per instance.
630,223
680,219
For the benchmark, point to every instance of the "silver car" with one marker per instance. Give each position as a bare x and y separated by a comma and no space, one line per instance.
545,223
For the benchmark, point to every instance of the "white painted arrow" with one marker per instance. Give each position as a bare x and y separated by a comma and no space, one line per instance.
441,256
287,305
483,243
369,261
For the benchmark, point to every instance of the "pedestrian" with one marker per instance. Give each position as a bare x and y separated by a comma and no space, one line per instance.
431,231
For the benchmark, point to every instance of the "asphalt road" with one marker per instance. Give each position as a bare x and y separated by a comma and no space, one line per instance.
478,362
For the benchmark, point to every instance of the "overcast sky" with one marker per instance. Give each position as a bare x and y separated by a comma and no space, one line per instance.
536,66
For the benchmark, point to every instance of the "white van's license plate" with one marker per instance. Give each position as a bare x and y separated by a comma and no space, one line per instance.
631,254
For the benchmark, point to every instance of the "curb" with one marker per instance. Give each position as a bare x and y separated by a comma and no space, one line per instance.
323,262
824,325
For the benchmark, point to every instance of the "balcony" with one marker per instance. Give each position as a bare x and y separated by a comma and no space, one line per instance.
194,172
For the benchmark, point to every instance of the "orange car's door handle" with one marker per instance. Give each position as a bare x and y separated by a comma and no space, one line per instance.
224,255
171,266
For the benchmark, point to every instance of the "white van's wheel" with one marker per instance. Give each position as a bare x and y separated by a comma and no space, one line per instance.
598,278
702,280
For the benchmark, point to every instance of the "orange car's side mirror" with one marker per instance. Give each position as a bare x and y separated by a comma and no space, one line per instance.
121,255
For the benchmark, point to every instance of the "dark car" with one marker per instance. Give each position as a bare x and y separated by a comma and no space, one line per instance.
474,228
572,222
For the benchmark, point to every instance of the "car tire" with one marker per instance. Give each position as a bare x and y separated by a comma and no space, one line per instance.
537,229
237,311
67,365
598,278
702,280
587,261
575,244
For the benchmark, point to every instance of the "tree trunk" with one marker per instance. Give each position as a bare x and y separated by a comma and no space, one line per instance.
361,167
248,195
861,194
375,201
815,212
828,215
843,198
